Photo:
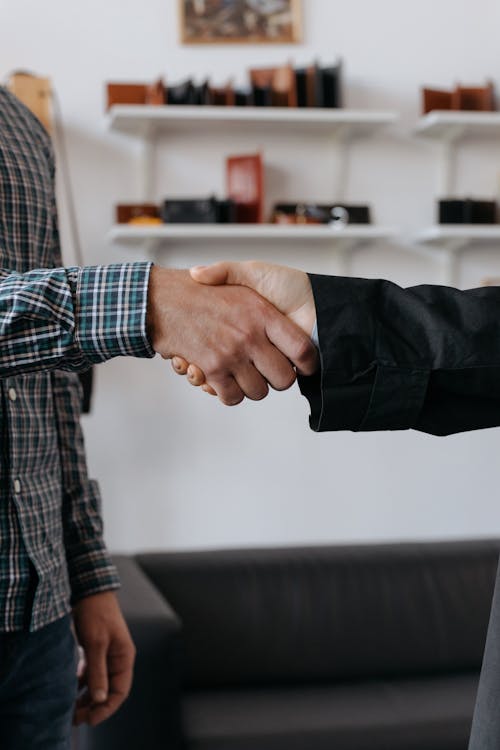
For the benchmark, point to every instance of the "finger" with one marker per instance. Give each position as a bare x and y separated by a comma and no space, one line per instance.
208,389
81,716
97,672
251,382
293,343
180,365
228,390
195,375
120,668
274,367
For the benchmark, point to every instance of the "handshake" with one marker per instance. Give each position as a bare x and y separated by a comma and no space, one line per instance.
234,328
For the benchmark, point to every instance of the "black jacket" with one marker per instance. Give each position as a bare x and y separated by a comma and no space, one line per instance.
426,358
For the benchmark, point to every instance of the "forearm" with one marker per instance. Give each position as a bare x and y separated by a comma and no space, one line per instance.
426,358
71,318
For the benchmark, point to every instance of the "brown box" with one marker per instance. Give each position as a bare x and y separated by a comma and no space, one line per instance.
462,98
280,81
479,99
126,212
436,99
245,186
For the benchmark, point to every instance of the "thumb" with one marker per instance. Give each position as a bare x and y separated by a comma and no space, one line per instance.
248,273
218,273
97,673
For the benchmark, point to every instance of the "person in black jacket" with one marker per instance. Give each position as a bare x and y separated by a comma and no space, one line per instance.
424,358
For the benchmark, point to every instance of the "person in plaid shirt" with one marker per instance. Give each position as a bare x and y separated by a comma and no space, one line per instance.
54,322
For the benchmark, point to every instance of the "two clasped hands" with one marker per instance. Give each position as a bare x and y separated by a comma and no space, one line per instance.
240,327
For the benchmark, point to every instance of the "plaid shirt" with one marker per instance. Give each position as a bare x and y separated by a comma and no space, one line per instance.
52,321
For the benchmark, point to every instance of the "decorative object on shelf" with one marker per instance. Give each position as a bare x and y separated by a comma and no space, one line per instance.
136,93
465,98
467,211
336,215
240,21
319,87
198,211
188,93
182,93
222,96
245,187
280,86
274,87
130,212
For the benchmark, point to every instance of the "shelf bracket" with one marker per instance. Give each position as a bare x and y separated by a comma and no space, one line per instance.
345,253
341,139
447,162
450,262
146,168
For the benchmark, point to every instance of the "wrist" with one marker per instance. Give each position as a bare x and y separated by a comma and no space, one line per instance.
154,331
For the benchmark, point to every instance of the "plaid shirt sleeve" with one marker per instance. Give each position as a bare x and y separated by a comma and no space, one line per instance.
89,565
72,318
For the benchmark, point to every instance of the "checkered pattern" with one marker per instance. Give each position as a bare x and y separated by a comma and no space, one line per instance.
52,321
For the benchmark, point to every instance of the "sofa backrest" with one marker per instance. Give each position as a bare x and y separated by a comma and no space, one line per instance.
284,616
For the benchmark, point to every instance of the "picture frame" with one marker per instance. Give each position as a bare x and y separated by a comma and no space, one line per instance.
240,21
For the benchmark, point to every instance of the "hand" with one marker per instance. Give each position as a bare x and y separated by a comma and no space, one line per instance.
233,335
109,655
288,289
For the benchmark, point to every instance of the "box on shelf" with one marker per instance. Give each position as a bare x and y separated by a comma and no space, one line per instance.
245,186
311,213
464,98
467,211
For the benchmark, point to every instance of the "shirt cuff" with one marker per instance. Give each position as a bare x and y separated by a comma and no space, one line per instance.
91,571
355,389
314,334
110,304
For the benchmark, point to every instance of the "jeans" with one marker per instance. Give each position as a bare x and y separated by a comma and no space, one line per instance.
38,687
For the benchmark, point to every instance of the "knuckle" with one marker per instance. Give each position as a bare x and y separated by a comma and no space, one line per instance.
247,339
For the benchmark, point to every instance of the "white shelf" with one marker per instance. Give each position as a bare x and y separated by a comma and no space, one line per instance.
459,235
350,235
144,120
449,126
445,242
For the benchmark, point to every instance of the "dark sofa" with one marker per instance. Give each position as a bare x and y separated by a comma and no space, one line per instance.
373,647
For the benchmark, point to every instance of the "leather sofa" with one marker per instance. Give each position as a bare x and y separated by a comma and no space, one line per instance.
369,647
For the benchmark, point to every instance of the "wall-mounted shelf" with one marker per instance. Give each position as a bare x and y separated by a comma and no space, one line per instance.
156,240
450,126
147,121
351,235
447,241
341,126
460,235
447,128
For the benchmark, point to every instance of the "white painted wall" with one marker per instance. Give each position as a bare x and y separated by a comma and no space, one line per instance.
178,470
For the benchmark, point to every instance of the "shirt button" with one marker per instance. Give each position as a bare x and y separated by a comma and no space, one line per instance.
12,394
17,486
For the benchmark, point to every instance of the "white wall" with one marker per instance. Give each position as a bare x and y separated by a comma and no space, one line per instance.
176,468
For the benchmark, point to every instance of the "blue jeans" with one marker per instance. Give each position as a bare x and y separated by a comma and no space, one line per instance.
38,688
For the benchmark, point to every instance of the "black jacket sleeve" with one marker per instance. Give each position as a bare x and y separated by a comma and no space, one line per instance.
426,358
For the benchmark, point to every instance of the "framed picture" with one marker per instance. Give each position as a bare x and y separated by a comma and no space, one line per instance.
240,21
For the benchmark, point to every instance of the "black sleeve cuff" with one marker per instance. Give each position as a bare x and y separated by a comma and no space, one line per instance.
354,390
